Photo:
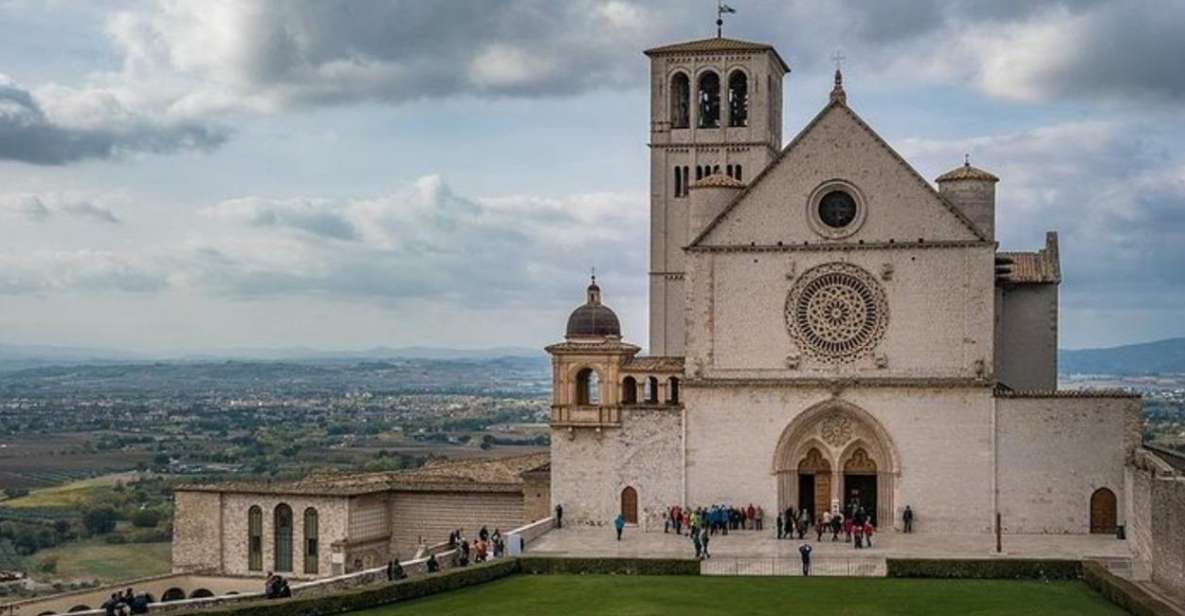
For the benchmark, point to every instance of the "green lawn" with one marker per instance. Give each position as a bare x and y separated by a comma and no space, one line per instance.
108,563
569,595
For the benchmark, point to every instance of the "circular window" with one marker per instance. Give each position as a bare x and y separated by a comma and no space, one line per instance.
837,209
836,312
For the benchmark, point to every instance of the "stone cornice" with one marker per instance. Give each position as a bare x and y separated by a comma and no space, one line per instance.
841,246
1066,393
844,383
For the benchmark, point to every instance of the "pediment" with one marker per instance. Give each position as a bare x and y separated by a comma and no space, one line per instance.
837,149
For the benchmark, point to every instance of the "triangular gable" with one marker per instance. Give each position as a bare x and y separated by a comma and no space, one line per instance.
942,221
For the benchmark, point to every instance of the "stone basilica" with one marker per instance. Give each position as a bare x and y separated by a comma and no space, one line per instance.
826,326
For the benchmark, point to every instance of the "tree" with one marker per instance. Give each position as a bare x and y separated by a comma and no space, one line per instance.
146,518
99,520
161,459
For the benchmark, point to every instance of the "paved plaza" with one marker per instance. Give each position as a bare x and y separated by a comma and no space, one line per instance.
589,541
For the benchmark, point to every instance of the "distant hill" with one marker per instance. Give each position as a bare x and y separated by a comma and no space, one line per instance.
1160,357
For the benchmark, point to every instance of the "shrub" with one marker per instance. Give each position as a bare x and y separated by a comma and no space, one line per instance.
1121,592
100,520
146,518
49,564
986,568
115,539
610,566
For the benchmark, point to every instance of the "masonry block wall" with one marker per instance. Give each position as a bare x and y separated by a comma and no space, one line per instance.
1054,452
432,515
590,470
197,534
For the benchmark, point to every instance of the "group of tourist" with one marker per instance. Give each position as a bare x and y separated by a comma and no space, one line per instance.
714,519
856,525
486,545
276,587
125,603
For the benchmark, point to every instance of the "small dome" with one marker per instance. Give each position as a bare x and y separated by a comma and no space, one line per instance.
593,319
718,181
967,172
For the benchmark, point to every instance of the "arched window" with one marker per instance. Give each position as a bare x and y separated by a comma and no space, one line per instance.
255,539
715,170
699,172
629,505
729,171
673,390
709,100
651,390
283,546
680,101
172,594
686,180
629,390
201,593
311,549
588,387
738,175
738,99
678,182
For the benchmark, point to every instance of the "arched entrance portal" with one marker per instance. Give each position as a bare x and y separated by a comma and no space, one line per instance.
814,483
859,484
833,455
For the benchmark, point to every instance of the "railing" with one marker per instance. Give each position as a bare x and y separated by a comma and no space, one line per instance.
820,566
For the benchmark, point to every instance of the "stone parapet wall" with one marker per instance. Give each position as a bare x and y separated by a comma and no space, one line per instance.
1158,526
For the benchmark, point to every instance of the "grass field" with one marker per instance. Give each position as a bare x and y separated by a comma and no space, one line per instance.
73,494
109,563
695,596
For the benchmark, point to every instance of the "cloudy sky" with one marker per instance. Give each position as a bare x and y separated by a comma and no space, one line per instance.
192,176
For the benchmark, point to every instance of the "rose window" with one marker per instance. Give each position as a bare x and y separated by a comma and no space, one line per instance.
836,312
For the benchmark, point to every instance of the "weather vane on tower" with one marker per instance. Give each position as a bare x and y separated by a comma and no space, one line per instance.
721,9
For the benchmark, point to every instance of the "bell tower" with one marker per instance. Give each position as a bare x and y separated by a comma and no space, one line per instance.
715,109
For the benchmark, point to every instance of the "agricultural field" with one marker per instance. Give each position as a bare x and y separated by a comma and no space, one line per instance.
38,460
580,595
95,560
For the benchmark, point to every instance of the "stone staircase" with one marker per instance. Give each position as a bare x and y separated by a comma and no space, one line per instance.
832,566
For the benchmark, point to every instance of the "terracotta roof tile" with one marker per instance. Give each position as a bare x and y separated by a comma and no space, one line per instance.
1040,267
653,364
718,180
967,172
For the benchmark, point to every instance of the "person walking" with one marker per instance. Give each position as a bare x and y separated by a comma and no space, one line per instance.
699,548
619,524
760,519
781,529
868,530
858,535
704,538
907,519
805,551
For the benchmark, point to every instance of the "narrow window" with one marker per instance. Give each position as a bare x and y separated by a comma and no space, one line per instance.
678,182
709,100
699,173
629,390
680,101
283,527
651,390
255,539
715,169
673,390
730,171
739,178
738,99
311,549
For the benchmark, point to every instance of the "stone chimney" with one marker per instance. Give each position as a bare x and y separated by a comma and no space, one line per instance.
973,191
709,197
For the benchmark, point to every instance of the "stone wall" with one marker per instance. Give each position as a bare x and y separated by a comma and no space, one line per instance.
332,514
939,324
1026,336
590,469
197,532
1168,532
1054,452
432,515
940,438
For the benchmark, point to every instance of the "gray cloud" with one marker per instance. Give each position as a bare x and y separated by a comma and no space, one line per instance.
425,242
28,134
45,272
88,210
43,207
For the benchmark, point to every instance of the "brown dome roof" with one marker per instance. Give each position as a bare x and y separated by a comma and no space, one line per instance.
967,172
593,319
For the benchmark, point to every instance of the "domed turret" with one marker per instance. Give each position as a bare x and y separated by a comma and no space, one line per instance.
973,191
593,319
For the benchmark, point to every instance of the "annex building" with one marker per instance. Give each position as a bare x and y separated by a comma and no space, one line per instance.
827,326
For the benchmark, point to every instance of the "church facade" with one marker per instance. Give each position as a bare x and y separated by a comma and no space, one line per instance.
827,327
